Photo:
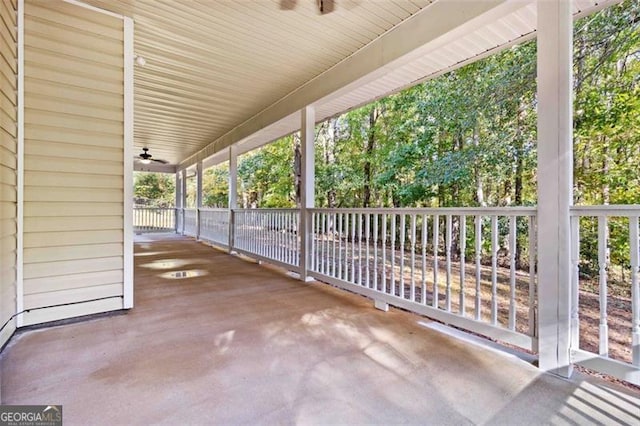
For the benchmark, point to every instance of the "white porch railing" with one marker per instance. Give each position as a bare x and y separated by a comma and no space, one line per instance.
154,219
418,259
214,226
269,234
614,296
190,222
474,268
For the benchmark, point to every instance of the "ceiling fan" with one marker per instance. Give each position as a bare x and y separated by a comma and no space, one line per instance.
145,158
324,6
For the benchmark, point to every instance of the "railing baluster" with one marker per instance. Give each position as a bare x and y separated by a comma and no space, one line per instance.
512,272
423,292
463,262
375,251
314,224
293,238
281,242
334,225
277,235
360,280
478,249
265,237
251,243
325,243
264,242
346,247
255,223
412,292
575,282
393,255
353,247
273,239
603,263
494,270
384,253
436,238
402,252
340,219
533,331
274,235
266,223
367,232
327,267
283,245
635,290
448,260
287,240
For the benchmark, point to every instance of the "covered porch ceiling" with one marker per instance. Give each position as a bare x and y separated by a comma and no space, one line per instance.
219,73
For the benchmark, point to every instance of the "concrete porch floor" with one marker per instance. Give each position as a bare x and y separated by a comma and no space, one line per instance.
243,343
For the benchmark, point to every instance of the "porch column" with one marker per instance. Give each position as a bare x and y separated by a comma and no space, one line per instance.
198,196
183,195
307,186
555,184
233,192
178,201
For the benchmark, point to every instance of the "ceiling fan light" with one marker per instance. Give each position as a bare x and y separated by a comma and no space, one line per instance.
145,161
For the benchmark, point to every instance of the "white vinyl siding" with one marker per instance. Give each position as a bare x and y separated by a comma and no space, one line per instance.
8,166
74,147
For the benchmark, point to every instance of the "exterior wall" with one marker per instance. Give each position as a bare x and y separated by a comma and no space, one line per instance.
8,166
74,169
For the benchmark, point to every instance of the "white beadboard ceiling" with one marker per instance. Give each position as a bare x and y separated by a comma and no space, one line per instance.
213,64
229,71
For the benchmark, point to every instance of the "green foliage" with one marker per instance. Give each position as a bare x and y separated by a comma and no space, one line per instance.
153,189
215,186
266,176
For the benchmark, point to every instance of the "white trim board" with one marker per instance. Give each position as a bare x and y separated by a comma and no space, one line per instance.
20,171
128,164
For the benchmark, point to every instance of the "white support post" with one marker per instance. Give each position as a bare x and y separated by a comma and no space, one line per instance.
183,196
307,185
233,192
20,171
128,165
555,183
198,197
178,200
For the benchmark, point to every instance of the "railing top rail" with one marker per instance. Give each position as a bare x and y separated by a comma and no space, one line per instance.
485,211
621,210
284,210
153,208
214,209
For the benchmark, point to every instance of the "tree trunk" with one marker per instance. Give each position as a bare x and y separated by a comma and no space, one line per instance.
606,166
330,159
477,170
297,167
519,170
369,149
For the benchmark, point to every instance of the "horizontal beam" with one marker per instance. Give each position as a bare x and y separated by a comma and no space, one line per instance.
154,167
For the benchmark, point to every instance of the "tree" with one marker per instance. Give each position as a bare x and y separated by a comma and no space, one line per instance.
154,189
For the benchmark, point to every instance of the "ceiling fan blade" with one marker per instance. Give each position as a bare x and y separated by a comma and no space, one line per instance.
160,161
